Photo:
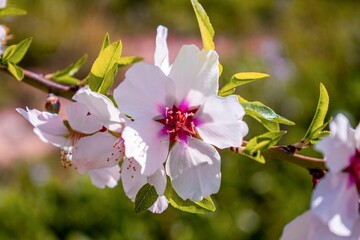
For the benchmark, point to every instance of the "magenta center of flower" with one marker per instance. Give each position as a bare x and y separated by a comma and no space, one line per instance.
354,169
179,123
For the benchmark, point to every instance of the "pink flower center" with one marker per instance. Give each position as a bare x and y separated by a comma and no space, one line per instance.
179,123
354,169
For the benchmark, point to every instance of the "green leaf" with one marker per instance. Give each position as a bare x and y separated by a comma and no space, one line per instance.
145,198
125,61
204,206
263,114
240,79
11,11
221,68
264,141
269,125
15,53
16,71
261,143
206,29
106,42
320,135
317,123
105,68
254,155
65,75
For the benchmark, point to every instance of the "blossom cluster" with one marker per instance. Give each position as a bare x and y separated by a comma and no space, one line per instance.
334,212
163,130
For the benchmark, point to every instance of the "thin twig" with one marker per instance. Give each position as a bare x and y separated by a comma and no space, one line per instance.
40,82
285,154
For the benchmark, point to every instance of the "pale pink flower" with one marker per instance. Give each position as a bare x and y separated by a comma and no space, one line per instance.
309,227
335,200
85,142
178,117
3,3
133,181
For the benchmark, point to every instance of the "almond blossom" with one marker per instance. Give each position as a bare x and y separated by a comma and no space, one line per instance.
84,139
178,118
335,200
133,180
309,227
3,3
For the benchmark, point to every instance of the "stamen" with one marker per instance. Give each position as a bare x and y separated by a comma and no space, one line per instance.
118,151
66,150
179,123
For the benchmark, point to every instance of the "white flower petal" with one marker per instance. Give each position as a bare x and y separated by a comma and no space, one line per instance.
335,202
3,3
158,180
81,120
298,229
194,169
221,121
340,146
144,143
100,106
309,227
145,92
57,141
105,176
196,75
357,137
48,123
49,127
131,178
97,151
160,205
3,33
161,56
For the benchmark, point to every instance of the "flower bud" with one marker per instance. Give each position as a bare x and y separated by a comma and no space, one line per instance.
52,104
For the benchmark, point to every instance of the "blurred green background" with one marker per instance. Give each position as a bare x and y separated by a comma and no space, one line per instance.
300,43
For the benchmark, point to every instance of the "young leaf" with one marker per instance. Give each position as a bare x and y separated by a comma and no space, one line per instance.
204,206
65,75
264,114
15,53
16,71
254,155
106,42
264,141
11,11
258,144
145,198
317,123
206,29
125,61
240,79
269,125
105,68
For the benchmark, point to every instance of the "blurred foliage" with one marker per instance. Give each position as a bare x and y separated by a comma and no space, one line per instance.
299,43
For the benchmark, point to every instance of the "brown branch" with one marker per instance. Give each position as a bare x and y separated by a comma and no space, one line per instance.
285,153
40,82
280,153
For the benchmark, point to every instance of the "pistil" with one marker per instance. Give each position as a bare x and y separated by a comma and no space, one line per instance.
179,123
